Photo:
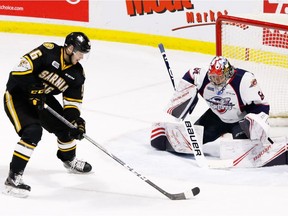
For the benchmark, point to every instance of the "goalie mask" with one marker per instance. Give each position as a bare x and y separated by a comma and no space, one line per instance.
220,70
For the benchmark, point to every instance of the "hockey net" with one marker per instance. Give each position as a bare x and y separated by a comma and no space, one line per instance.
260,47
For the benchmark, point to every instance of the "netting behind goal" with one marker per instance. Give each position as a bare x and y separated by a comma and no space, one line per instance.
262,48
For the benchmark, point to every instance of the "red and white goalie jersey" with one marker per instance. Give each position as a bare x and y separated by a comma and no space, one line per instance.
231,101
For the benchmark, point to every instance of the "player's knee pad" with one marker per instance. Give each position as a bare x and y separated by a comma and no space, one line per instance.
32,133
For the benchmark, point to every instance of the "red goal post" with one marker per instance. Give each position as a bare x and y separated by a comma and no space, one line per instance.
260,47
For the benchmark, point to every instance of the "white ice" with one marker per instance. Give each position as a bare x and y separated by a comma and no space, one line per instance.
126,90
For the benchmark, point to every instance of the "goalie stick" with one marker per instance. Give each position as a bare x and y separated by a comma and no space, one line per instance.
178,196
190,132
162,50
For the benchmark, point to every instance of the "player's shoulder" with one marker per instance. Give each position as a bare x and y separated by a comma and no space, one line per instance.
50,47
247,78
78,67
243,73
77,72
199,75
197,71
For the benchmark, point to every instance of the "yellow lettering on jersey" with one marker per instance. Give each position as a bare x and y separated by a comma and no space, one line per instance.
43,74
64,88
48,90
54,79
48,77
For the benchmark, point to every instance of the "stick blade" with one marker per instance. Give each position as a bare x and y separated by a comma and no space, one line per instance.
186,195
195,191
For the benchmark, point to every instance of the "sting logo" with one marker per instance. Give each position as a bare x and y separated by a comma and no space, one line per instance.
220,104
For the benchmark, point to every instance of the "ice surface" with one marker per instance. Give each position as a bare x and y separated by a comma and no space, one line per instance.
127,89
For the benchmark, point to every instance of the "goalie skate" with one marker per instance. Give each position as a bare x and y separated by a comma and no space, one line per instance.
77,166
14,186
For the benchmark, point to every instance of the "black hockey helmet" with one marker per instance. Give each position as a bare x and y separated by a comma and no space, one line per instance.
79,40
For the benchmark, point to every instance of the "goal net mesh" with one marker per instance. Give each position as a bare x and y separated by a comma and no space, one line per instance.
262,48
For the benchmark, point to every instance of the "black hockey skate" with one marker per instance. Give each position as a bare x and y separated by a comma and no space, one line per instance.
14,186
77,166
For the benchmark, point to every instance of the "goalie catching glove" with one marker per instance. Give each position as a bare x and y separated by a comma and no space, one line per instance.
80,130
256,126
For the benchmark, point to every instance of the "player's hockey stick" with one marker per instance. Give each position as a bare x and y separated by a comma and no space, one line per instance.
179,196
163,52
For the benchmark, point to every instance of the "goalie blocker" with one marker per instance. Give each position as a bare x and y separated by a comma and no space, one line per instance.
171,137
183,101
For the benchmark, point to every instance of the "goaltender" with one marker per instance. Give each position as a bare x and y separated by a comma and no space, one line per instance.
236,105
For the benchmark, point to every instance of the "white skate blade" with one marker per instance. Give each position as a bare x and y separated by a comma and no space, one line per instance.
15,192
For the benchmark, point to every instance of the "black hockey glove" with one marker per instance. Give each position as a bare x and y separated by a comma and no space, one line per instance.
37,96
80,130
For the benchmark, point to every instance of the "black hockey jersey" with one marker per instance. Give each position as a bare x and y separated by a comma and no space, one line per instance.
46,65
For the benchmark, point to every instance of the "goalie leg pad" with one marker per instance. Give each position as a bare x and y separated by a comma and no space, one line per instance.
172,137
247,153
158,137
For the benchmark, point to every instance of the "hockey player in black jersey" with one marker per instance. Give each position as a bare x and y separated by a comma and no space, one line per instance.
46,71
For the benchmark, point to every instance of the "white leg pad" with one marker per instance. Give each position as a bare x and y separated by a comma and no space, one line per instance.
247,153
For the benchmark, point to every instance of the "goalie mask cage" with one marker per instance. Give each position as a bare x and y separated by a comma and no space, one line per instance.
260,47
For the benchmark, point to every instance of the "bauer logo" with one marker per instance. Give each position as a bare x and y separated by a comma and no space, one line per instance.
275,6
192,138
141,7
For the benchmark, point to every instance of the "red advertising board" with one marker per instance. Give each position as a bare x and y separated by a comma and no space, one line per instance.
275,6
74,10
